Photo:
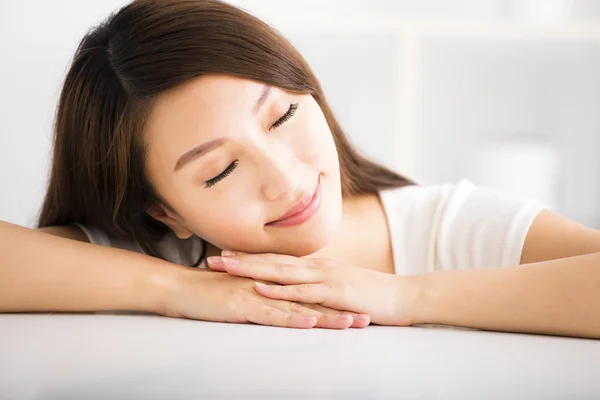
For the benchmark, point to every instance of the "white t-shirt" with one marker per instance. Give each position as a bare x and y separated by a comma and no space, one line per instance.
456,226
437,227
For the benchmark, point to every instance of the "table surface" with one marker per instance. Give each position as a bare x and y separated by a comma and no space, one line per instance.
129,356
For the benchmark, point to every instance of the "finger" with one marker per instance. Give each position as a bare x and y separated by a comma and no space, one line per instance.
218,267
231,253
285,274
266,315
304,293
333,320
359,320
268,258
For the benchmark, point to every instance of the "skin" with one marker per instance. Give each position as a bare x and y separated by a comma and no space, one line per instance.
277,163
276,166
341,258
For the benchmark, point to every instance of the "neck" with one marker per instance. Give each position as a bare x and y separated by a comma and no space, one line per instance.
363,237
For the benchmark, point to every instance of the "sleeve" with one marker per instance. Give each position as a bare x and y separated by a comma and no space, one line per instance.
458,226
99,237
188,252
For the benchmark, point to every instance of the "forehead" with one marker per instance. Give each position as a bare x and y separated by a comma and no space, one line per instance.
211,105
201,109
209,97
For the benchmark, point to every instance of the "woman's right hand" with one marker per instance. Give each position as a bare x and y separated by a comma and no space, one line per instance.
221,297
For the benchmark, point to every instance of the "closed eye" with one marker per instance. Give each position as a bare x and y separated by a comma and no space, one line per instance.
222,175
289,114
285,117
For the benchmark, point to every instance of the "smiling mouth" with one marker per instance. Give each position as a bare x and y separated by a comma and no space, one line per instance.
303,210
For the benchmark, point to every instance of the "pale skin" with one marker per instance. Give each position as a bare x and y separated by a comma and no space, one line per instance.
276,165
314,271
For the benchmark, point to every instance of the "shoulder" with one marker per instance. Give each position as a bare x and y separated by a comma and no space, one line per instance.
462,195
458,225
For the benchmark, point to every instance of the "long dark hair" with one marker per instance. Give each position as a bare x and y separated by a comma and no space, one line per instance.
120,67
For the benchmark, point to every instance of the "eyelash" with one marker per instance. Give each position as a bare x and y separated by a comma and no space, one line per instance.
289,114
222,175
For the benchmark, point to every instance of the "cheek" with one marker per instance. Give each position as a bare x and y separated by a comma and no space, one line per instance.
228,223
314,142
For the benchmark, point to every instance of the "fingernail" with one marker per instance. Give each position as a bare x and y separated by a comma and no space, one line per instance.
228,253
343,316
362,317
261,285
312,320
217,261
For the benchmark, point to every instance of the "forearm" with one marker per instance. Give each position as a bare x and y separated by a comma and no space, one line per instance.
558,297
42,272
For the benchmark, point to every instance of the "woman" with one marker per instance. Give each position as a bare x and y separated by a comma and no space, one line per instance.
187,128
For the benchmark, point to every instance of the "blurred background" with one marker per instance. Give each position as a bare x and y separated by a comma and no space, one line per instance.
505,93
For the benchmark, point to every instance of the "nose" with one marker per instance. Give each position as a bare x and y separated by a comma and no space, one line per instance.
282,176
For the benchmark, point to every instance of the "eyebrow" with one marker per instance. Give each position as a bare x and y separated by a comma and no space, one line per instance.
266,91
211,145
199,151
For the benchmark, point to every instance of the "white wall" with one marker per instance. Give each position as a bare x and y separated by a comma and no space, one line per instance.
37,41
427,103
486,92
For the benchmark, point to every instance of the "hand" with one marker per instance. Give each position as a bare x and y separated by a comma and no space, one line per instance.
322,281
214,296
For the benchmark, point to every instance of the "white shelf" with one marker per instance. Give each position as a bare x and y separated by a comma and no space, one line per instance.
412,32
488,28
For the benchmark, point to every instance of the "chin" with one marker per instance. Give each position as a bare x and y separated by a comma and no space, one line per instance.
315,234
307,243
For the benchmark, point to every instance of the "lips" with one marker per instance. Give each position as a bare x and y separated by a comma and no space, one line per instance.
303,210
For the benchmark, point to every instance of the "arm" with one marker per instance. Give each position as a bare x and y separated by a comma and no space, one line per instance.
557,292
54,270
48,271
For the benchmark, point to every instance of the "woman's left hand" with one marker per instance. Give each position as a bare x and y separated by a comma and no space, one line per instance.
323,281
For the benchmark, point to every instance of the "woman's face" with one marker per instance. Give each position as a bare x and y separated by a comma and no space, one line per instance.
232,156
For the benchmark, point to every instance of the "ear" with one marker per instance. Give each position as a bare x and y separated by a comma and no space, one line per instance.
169,218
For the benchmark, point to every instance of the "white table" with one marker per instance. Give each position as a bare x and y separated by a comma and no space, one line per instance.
87,356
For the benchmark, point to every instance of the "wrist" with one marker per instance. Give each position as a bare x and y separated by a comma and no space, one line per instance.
412,299
160,285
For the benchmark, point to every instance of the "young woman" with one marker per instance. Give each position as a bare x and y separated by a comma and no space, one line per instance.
188,127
